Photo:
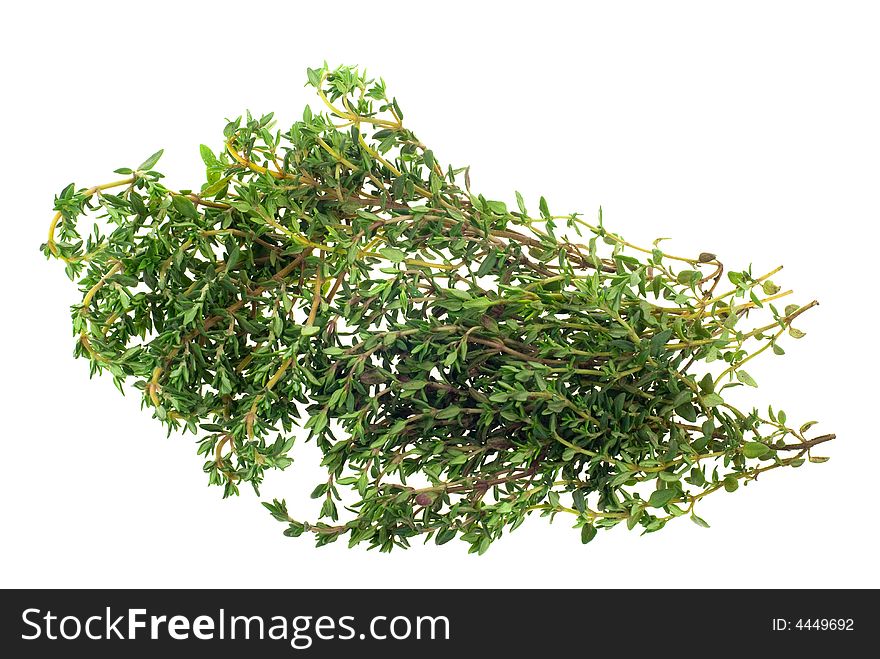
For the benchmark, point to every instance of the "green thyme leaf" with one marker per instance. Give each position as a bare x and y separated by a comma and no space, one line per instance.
151,162
755,449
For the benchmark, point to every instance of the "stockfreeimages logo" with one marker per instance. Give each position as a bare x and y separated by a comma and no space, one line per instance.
299,631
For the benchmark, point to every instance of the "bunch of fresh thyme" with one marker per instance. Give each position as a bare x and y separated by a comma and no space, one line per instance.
460,364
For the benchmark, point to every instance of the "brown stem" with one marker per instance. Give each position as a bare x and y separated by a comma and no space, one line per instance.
800,446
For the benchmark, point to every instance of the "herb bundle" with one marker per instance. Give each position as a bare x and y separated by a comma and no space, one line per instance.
461,365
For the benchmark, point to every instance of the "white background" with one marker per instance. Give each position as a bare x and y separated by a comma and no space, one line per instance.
747,129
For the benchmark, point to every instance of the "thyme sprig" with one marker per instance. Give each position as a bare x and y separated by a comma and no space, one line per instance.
461,364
